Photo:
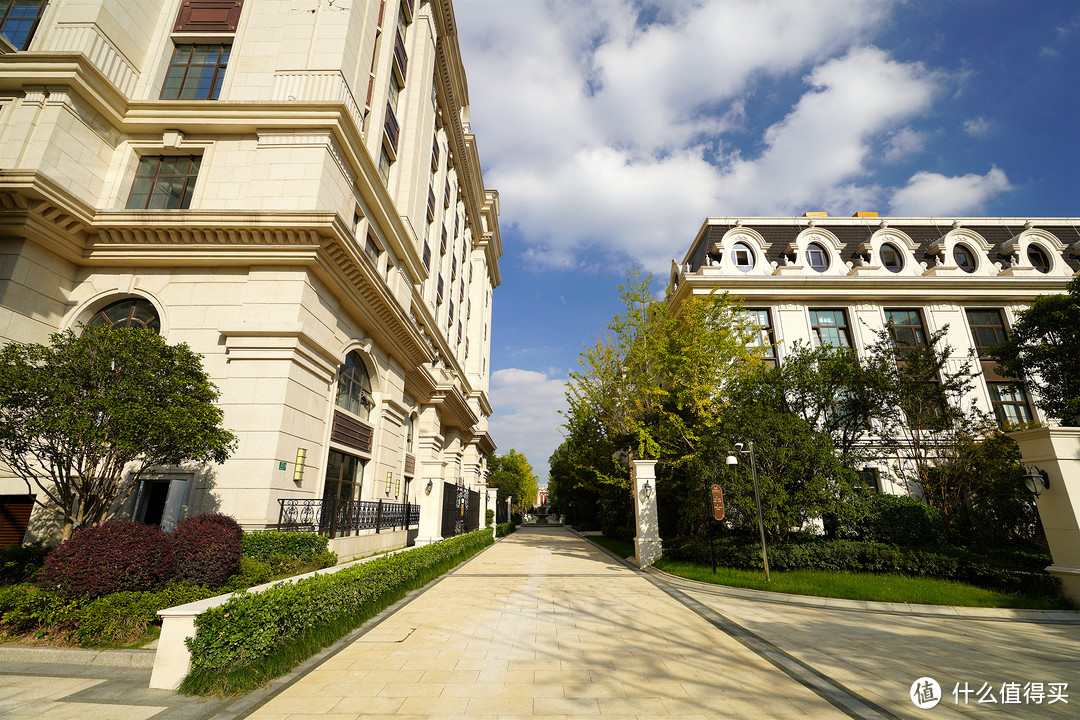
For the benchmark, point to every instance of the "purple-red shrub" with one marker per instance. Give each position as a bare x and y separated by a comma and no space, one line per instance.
107,558
207,549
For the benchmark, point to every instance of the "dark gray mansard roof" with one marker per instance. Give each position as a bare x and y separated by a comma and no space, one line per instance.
780,235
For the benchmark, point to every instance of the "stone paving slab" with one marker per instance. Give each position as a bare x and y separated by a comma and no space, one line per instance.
879,655
545,624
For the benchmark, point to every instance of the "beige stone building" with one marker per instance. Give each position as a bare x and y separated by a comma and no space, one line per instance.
824,280
292,188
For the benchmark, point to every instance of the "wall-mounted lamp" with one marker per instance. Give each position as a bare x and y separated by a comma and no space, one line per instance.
298,469
389,481
1036,480
646,490
427,488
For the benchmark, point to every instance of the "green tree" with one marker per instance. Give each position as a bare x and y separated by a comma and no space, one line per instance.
654,382
85,417
1044,350
514,478
926,425
800,474
653,387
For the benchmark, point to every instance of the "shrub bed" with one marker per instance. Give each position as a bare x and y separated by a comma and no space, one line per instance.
870,557
254,637
264,544
21,563
207,549
504,529
120,618
107,558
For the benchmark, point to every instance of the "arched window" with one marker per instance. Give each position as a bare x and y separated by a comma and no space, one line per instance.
1038,258
743,257
817,257
965,259
132,312
354,386
891,258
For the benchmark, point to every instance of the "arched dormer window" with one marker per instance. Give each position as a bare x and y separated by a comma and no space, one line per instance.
741,251
816,251
1036,250
130,312
962,251
354,386
889,251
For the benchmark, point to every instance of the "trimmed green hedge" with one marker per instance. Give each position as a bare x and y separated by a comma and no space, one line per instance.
120,618
504,529
264,544
872,557
254,637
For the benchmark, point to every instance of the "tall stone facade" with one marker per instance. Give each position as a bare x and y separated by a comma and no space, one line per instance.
291,188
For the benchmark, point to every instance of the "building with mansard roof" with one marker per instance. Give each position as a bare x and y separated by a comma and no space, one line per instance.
292,188
823,280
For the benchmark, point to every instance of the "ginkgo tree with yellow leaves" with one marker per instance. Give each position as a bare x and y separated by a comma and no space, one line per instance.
652,386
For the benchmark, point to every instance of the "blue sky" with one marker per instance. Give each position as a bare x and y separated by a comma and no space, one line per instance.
613,128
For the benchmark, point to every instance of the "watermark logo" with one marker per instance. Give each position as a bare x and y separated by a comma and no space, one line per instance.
925,693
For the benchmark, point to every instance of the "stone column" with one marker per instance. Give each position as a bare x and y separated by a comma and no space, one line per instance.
1057,451
647,546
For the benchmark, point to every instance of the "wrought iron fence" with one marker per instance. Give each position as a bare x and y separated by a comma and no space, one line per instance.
341,518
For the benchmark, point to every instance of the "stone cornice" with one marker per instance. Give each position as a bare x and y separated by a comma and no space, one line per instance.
35,208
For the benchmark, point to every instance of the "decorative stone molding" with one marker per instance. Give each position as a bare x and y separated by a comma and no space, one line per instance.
722,256
1018,246
826,240
88,39
317,86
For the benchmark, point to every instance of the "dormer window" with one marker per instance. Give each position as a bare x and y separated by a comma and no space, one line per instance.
1038,259
743,257
965,259
817,257
891,258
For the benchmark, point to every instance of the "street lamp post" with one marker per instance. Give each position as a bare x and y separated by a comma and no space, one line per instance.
734,460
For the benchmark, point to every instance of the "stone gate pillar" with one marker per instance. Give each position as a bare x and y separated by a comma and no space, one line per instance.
647,545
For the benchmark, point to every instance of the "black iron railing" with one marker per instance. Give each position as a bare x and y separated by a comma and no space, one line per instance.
341,518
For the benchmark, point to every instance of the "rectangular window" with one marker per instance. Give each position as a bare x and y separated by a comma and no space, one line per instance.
1010,403
759,318
384,165
987,328
19,19
439,288
427,255
196,72
830,328
907,328
871,477
164,182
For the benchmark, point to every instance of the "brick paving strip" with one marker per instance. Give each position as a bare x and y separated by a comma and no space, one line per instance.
547,624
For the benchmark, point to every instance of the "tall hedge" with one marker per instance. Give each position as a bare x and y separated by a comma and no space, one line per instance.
252,637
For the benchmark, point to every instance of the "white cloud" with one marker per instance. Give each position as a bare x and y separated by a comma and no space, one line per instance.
611,137
977,127
934,194
904,143
825,141
526,418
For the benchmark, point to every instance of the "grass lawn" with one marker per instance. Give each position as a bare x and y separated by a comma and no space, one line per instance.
620,548
862,586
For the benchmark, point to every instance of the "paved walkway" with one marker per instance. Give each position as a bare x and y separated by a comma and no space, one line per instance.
545,624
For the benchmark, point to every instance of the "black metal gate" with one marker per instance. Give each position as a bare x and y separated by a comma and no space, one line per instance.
461,510
455,509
